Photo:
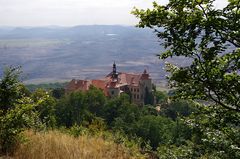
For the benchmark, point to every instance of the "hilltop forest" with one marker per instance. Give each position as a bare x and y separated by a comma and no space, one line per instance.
198,118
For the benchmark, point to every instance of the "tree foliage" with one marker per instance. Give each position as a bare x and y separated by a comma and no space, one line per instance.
45,110
80,107
10,88
209,37
178,108
14,121
16,110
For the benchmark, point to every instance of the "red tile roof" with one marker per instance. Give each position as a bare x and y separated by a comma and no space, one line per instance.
76,85
123,79
100,84
130,79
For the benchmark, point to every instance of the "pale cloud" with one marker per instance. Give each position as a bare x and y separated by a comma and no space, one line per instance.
72,12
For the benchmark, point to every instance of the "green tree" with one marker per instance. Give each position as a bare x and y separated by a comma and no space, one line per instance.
16,110
46,109
209,37
216,132
95,100
58,93
127,116
10,88
14,121
178,108
73,109
156,129
112,107
161,97
148,97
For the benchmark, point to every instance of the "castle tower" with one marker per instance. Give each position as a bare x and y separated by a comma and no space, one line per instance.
146,80
145,75
146,87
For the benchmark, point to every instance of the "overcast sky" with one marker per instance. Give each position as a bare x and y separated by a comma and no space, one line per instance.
72,12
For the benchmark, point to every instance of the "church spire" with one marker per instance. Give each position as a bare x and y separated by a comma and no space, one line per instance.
114,68
114,72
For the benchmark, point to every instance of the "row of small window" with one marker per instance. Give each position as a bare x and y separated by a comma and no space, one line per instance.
137,96
134,89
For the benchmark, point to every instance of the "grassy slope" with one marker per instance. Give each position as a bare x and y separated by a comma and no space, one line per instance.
54,144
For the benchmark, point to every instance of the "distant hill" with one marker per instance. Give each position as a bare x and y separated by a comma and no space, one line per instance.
54,53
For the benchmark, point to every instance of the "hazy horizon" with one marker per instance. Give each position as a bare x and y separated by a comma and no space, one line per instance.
67,13
62,26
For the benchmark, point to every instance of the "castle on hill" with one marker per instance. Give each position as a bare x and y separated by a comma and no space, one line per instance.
138,86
